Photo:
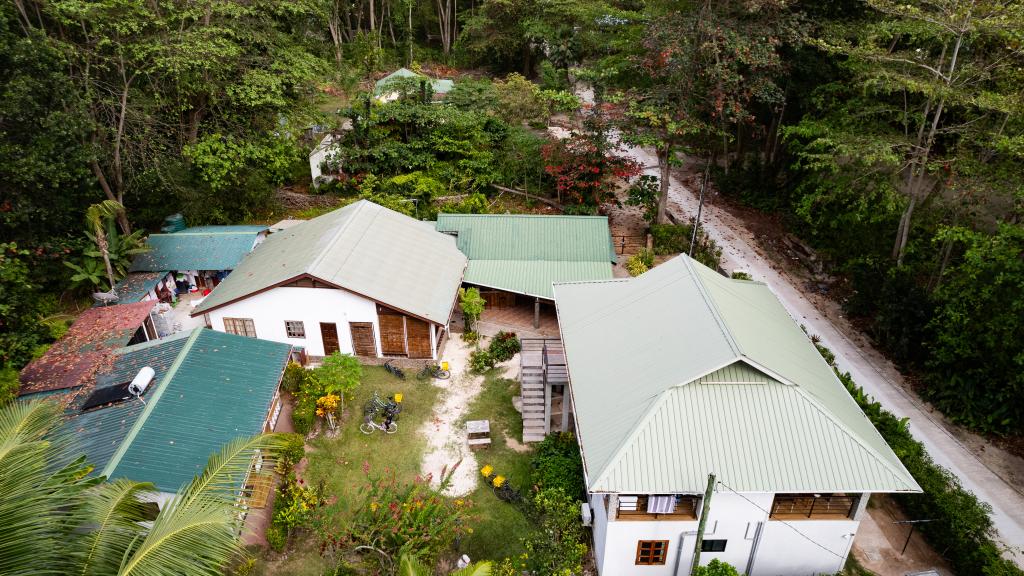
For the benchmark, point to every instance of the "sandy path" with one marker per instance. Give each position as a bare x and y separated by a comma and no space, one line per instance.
981,467
446,439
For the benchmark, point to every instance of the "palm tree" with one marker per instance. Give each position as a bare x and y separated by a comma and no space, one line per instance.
409,565
97,216
58,520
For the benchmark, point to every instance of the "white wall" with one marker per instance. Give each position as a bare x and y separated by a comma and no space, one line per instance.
780,552
270,309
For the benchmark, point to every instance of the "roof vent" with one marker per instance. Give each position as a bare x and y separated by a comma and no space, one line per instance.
142,381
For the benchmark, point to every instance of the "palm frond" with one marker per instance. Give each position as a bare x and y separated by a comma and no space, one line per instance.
226,470
110,523
478,569
97,213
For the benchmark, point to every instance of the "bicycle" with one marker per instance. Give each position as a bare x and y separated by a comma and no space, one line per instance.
500,485
376,404
394,370
434,371
388,426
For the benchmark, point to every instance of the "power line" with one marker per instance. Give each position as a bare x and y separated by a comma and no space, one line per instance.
790,526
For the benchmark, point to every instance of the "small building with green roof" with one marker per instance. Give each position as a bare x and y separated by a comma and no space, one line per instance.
207,388
389,87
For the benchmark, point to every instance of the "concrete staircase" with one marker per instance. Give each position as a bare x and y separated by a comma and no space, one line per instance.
542,364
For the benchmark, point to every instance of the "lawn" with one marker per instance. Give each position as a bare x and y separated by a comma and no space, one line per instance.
499,525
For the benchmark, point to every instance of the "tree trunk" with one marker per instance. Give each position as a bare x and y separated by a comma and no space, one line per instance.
101,243
663,152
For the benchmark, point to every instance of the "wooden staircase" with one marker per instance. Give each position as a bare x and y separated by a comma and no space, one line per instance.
541,365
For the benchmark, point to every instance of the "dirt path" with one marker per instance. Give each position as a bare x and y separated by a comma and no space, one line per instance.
446,443
994,475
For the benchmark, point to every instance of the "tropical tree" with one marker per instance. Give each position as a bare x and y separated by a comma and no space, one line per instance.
97,216
59,519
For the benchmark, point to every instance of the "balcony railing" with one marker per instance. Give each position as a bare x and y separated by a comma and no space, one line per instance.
636,508
814,506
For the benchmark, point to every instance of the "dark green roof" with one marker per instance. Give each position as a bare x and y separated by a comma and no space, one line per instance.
218,388
229,229
203,248
135,286
526,253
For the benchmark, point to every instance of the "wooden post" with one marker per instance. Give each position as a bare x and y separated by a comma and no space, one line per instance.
565,408
702,524
536,312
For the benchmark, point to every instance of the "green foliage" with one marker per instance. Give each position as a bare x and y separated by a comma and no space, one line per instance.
644,193
409,565
503,346
975,369
963,527
407,517
294,376
716,568
293,449
739,275
9,384
636,265
558,547
470,337
481,361
338,374
21,309
557,465
472,305
675,238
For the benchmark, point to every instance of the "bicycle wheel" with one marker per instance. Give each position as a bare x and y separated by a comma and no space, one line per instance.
366,428
443,375
392,429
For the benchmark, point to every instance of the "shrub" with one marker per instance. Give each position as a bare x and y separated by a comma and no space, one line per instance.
963,528
277,537
738,275
338,375
557,547
644,193
716,568
557,465
471,337
8,385
635,265
303,418
294,375
675,239
472,305
504,346
481,361
292,450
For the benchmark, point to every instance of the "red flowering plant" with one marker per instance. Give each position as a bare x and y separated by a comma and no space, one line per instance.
583,166
408,517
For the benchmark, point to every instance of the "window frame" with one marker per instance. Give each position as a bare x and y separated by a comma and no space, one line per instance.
651,552
714,547
240,326
687,509
288,329
794,506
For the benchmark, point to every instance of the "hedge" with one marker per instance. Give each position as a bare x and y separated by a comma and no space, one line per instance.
963,531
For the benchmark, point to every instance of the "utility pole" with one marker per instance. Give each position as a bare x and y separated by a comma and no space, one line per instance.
700,207
702,524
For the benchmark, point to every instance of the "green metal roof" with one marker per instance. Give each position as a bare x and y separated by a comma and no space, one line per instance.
225,229
363,247
439,86
135,286
651,419
203,250
527,253
219,387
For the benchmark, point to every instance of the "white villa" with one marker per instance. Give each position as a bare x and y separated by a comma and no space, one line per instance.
681,373
360,280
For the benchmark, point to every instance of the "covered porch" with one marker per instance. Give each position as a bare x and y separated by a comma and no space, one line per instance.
524,315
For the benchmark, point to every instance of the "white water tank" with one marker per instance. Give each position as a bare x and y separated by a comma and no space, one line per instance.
141,381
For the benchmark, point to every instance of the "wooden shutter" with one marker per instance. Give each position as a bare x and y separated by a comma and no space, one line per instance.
329,334
419,338
392,334
362,338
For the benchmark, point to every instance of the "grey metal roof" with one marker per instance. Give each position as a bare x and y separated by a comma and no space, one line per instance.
365,248
637,350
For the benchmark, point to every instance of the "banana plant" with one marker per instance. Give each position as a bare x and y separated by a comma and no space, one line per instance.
88,273
97,216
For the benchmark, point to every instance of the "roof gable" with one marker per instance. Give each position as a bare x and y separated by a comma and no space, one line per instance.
635,348
363,247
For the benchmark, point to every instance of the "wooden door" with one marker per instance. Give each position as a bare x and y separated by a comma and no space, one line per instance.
418,332
392,334
498,299
362,338
329,334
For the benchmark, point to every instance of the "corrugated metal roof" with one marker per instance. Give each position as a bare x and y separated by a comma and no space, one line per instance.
634,347
219,388
225,229
202,250
363,247
526,253
87,347
438,86
135,286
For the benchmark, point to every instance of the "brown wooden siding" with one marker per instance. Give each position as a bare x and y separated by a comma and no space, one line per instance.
329,333
418,333
362,338
392,332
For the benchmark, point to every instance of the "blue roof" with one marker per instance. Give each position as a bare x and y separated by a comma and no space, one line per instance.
135,286
229,229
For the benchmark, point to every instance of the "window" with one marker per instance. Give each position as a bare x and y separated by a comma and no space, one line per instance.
713,545
813,506
295,329
657,507
651,552
240,326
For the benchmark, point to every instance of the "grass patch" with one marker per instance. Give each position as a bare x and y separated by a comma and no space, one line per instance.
338,462
499,525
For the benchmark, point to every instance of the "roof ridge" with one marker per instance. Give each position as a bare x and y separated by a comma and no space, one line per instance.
115,459
709,301
568,216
